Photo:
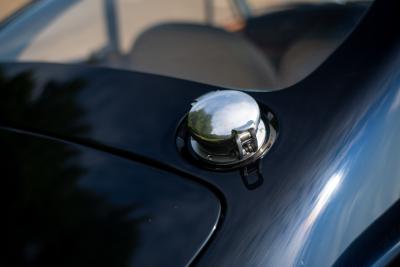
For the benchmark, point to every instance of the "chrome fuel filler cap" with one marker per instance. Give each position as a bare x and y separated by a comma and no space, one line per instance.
227,128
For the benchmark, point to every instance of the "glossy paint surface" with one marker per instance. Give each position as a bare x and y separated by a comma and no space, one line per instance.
333,171
378,245
68,205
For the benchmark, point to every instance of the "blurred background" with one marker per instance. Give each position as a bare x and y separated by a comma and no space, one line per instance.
246,44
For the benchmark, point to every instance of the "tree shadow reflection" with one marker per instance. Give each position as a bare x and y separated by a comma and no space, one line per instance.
49,219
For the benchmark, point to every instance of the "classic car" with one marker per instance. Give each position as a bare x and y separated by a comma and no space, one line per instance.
200,133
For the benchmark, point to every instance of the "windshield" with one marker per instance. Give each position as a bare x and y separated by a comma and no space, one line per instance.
254,44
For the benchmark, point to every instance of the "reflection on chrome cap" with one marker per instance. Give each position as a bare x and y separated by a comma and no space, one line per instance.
226,127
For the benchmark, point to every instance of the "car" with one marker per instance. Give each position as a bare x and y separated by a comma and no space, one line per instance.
200,133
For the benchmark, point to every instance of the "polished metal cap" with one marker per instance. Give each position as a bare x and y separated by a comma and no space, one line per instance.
226,127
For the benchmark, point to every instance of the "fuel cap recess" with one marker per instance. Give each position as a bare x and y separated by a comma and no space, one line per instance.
227,128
